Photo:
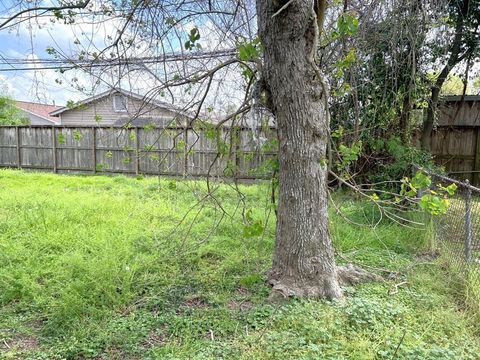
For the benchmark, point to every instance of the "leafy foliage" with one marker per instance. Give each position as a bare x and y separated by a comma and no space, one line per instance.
433,201
10,114
378,89
347,25
192,42
249,51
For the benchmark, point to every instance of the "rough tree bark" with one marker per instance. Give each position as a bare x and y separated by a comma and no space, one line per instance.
303,261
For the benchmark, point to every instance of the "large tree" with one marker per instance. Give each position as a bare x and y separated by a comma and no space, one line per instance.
289,83
303,263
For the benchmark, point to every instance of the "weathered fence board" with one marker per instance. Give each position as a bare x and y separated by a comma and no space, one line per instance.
174,151
458,150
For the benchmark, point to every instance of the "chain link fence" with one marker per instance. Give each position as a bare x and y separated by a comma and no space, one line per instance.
457,235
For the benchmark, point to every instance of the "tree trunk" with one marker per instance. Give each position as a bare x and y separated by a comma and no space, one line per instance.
430,118
303,262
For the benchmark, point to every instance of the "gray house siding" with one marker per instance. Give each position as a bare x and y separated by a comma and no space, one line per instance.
36,120
102,112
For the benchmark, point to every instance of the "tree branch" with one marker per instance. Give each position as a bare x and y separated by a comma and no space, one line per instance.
80,5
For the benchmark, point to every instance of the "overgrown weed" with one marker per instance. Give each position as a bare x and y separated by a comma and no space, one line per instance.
90,267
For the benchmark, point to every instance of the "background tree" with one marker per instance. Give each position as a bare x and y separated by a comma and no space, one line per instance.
10,114
461,26
453,85
379,88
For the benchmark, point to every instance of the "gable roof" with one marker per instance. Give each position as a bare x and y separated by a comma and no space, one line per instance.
40,110
112,91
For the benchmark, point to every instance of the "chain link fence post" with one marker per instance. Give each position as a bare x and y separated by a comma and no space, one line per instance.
468,223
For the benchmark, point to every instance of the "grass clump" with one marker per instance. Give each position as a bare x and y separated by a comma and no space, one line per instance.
98,267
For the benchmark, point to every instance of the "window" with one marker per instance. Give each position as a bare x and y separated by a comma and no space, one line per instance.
120,103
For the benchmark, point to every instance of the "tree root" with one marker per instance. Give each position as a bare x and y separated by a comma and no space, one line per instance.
326,287
350,274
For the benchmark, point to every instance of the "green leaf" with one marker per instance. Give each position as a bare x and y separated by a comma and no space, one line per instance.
61,139
252,230
450,189
336,134
71,104
434,204
347,24
193,37
249,51
421,181
77,135
170,21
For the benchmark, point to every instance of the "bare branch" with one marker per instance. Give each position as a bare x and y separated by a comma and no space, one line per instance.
82,4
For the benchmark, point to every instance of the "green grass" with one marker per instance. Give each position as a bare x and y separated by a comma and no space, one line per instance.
97,267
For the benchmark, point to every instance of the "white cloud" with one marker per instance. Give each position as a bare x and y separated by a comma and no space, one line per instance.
40,85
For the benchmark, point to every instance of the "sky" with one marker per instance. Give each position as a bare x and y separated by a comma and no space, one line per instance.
31,38
31,85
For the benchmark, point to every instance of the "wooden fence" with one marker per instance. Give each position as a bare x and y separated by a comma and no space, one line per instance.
455,143
179,151
458,150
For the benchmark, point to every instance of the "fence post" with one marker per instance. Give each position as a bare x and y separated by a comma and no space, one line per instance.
137,151
185,152
19,159
54,149
468,224
94,149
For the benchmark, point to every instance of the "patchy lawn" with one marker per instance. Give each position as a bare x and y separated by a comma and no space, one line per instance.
97,267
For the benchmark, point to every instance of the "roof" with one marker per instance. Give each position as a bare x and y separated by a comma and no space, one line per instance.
40,110
146,99
452,98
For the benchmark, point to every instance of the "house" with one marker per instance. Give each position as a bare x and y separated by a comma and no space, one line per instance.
38,114
118,107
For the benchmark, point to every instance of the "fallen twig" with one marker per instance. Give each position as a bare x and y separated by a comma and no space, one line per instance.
394,289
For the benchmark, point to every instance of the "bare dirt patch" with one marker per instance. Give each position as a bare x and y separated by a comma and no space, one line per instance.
241,305
20,343
196,302
155,338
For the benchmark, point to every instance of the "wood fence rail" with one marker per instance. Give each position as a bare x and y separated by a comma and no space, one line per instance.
176,151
